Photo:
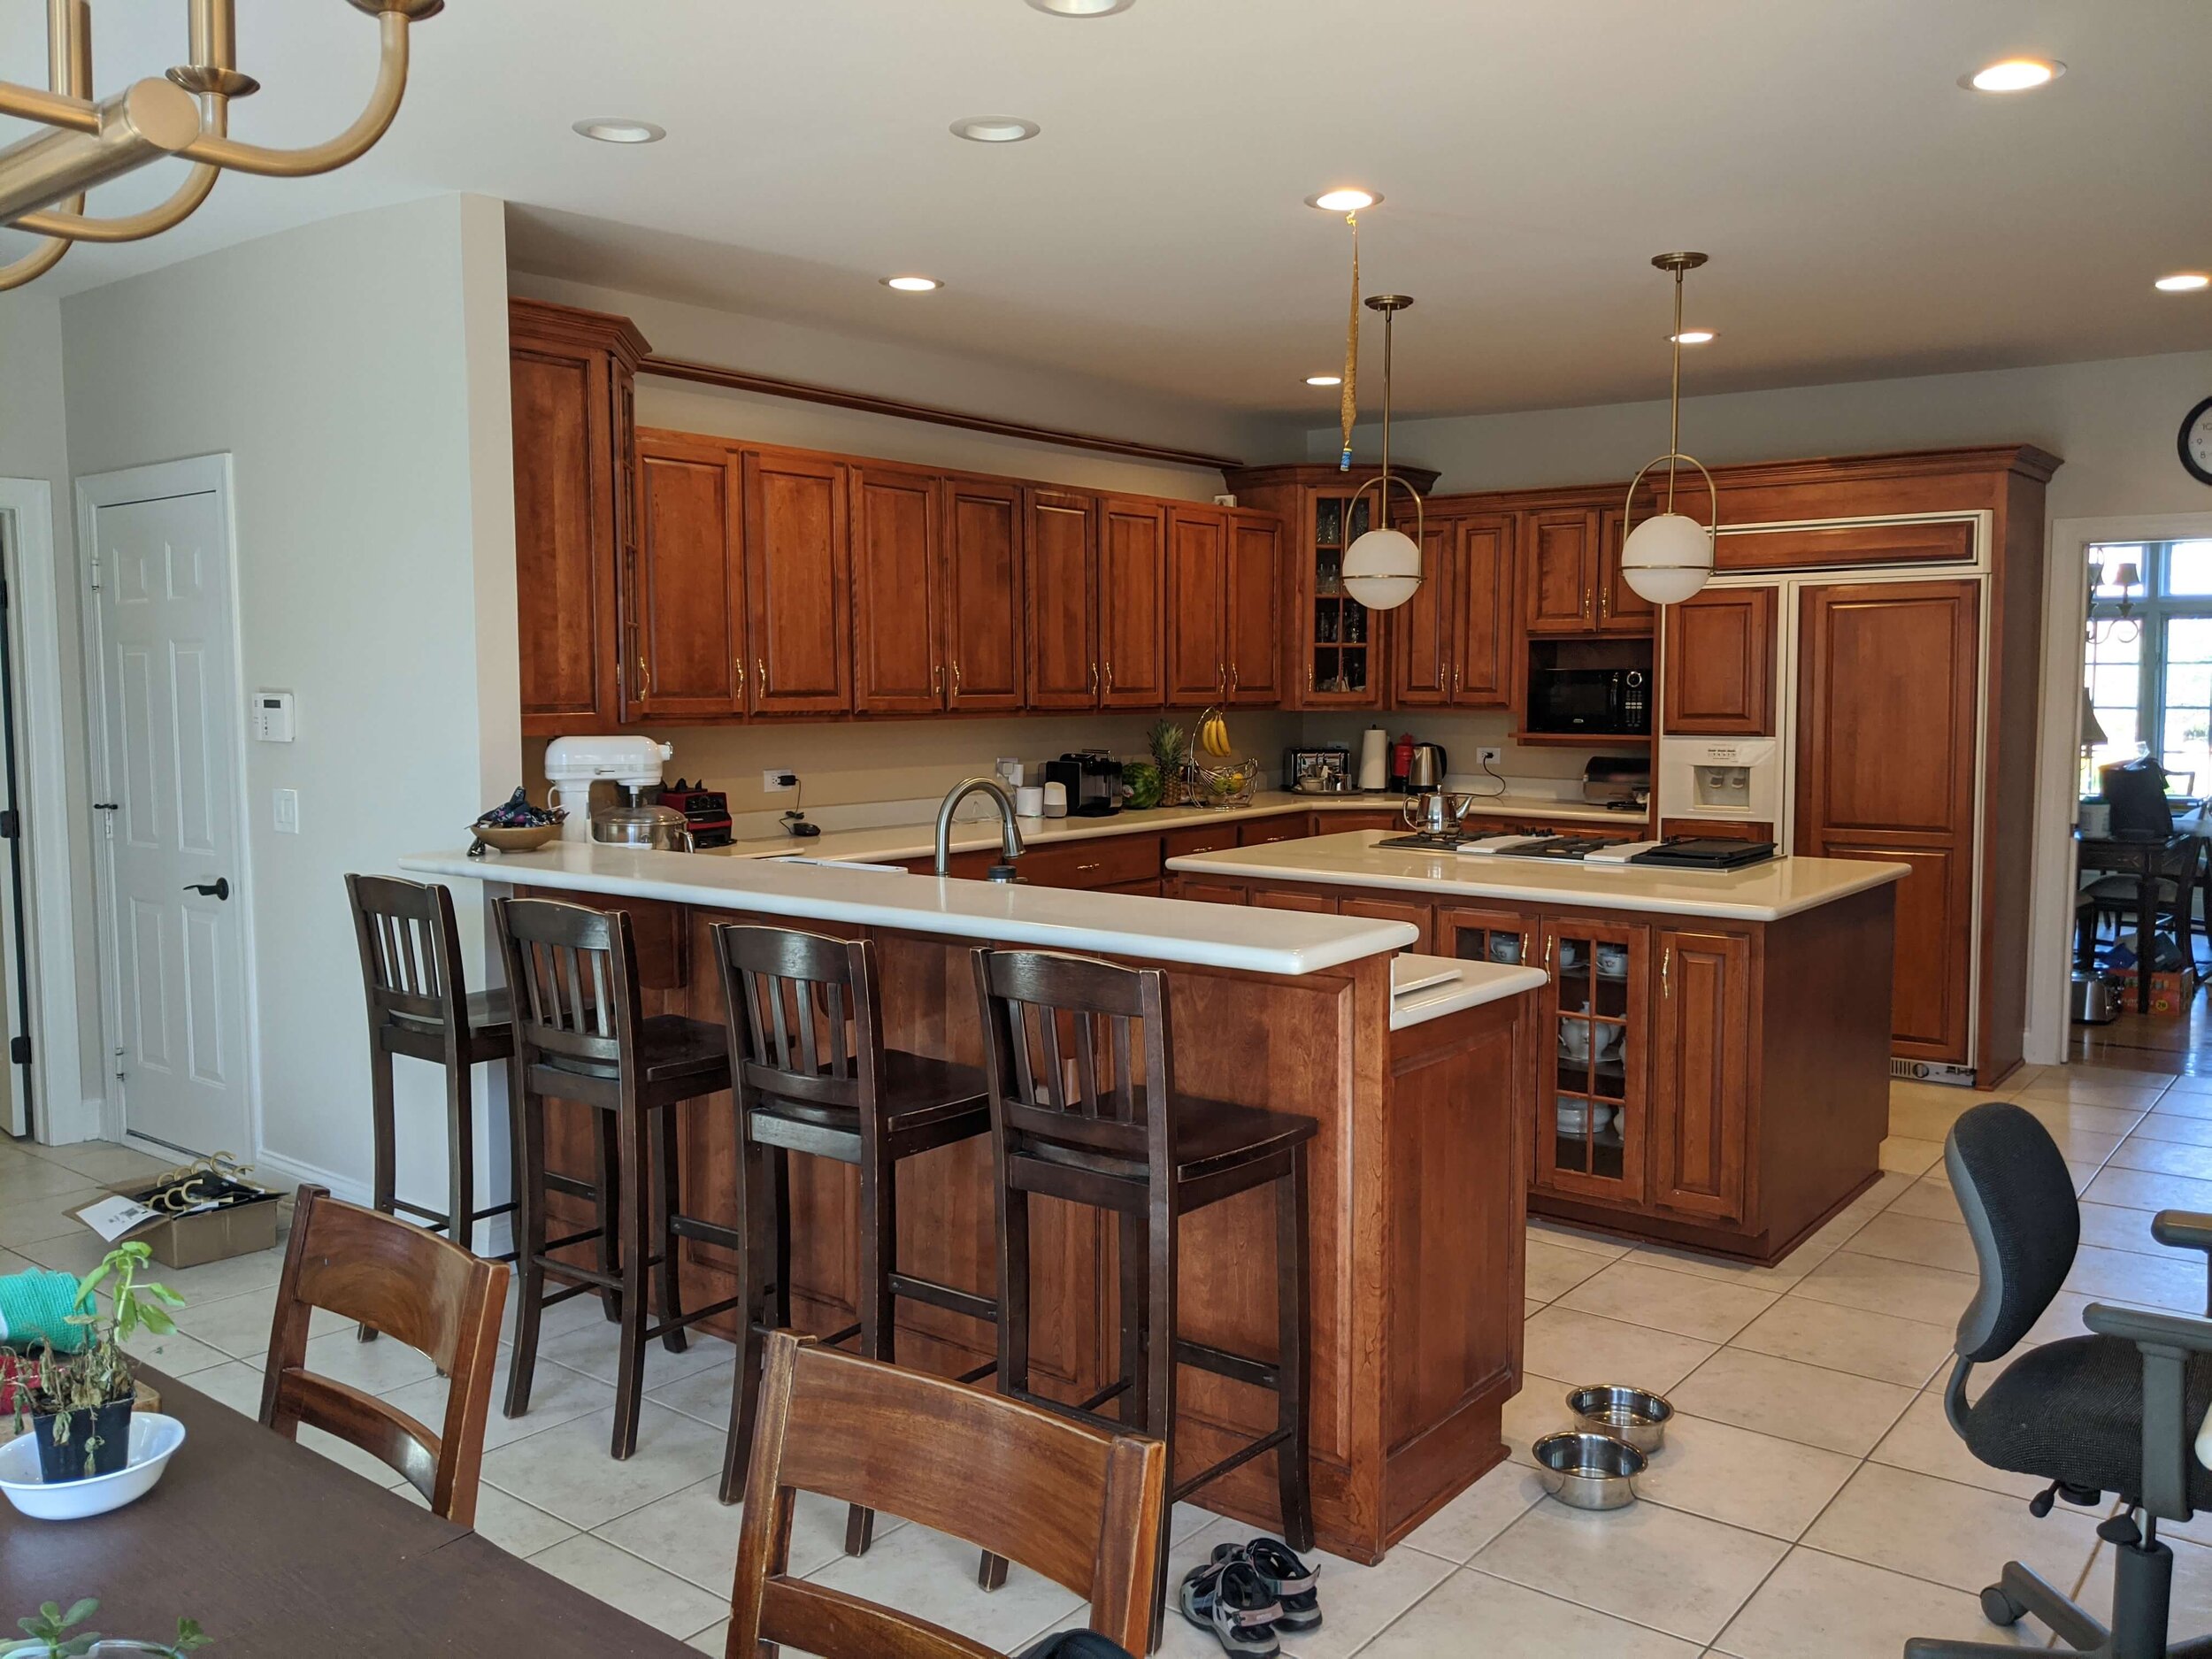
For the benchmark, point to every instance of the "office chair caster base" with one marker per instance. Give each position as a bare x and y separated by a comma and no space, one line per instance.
1999,1607
2020,1591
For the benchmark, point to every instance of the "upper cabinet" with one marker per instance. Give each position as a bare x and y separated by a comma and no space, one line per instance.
569,374
1560,570
898,660
982,563
798,584
1421,628
1197,607
1482,614
1621,608
1131,585
1717,677
1253,629
1062,536
685,631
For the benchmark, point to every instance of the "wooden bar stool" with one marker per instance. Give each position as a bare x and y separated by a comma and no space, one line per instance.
812,1075
420,1005
1085,1109
579,1037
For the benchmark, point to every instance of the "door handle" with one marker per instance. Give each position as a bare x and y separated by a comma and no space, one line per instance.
107,806
218,889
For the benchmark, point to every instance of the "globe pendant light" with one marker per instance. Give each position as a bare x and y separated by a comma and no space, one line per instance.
1382,570
1669,557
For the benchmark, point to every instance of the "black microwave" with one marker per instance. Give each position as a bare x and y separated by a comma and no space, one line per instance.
1603,701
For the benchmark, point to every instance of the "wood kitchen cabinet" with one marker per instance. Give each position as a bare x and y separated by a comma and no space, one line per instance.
983,610
798,584
1483,637
1253,630
1621,608
1062,573
1559,572
1421,643
1135,575
570,376
686,612
1597,1066
1700,1071
898,657
1719,673
1197,609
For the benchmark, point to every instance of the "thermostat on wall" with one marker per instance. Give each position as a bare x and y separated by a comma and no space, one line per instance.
272,716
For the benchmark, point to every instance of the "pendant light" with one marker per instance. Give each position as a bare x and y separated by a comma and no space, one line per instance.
1669,557
1382,570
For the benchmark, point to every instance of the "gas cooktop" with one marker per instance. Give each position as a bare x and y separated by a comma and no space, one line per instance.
1543,844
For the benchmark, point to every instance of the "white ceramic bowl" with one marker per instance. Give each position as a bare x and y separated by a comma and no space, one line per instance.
154,1440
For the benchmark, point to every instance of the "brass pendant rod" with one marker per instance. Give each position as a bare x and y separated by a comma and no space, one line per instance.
73,226
1674,394
384,99
1382,501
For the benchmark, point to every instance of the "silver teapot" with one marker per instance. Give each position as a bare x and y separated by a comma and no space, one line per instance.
1436,812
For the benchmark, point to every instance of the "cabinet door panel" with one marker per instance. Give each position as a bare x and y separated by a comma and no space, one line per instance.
1132,592
1393,910
1482,608
1255,624
1621,608
1421,629
1591,1122
1198,890
1928,1001
564,535
689,591
1720,664
983,594
798,582
1473,933
1197,589
1561,573
1701,1085
897,665
1061,562
1275,899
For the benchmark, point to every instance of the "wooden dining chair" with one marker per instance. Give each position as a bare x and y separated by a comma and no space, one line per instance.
1080,1505
414,1287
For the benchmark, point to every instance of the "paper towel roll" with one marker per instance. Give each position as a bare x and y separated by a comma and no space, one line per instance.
1374,758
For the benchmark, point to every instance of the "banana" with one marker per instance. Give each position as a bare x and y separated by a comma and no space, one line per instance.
1215,736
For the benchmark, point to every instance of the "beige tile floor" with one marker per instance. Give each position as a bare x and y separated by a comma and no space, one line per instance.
1812,1503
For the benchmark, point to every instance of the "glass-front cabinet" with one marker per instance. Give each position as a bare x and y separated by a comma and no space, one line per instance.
1341,645
1591,1141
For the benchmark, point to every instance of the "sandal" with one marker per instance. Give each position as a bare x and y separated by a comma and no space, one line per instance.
1227,1596
1289,1580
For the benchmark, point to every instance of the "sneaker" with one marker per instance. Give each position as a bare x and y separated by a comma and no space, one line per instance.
1290,1580
1226,1596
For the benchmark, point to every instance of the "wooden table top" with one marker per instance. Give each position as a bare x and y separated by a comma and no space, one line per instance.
280,1554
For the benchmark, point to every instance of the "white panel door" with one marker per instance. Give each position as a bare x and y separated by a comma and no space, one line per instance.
172,721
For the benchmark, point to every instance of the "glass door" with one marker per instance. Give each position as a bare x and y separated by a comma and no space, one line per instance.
1340,644
1590,1123
1480,935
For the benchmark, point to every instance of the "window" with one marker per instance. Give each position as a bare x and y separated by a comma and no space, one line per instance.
2148,670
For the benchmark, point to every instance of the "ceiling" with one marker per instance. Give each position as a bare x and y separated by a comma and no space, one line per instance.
1866,217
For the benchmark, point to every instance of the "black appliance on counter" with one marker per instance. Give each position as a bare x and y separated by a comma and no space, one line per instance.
1621,782
706,810
2136,790
1093,780
1566,701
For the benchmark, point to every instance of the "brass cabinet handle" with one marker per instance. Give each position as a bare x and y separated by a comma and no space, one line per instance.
1094,679
1666,961
1547,953
936,680
1455,680
1233,680
956,677
1109,676
1585,602
644,680
760,678
1525,947
1086,868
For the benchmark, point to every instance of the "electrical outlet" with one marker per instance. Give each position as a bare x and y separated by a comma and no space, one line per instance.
1488,757
779,778
287,811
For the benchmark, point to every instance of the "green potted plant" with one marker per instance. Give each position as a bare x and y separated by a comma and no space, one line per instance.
49,1630
79,1401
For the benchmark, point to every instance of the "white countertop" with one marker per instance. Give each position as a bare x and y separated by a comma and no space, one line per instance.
1471,985
918,840
1762,893
1060,918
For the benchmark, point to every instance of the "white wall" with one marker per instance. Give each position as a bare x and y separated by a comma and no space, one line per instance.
34,443
2112,422
356,372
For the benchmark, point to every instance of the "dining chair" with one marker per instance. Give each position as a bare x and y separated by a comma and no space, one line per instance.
414,1287
1080,1505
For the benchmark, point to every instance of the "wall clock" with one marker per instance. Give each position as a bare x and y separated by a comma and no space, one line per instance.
2196,442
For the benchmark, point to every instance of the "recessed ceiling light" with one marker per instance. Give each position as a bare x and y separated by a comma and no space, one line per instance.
1696,336
2014,75
1344,199
994,129
622,132
2183,282
912,284
1325,379
1082,8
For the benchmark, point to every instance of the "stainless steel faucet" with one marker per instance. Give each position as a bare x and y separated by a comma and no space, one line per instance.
1010,839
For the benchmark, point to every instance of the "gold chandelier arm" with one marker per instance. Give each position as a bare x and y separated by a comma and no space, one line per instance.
73,226
391,81
1628,511
36,263
51,109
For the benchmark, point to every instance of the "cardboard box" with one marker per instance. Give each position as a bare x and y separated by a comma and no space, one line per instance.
2170,992
210,1236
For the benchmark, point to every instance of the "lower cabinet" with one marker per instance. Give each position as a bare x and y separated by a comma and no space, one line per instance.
1595,1007
1701,1065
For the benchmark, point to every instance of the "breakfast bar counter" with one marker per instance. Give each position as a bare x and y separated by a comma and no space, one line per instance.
1418,1177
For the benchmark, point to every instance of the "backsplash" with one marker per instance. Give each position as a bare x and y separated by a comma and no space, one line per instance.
1461,732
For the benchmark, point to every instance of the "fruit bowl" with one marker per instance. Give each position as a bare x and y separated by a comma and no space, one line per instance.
1234,783
515,837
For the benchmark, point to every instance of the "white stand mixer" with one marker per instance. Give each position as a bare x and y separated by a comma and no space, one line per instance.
572,764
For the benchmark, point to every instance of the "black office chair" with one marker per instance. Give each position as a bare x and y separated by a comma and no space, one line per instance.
2115,1411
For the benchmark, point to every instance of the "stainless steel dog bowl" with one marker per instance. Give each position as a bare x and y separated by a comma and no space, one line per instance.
1633,1414
1588,1471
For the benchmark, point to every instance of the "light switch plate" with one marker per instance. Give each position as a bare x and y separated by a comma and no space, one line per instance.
287,811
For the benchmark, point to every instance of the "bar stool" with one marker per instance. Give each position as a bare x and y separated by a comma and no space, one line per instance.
1082,1111
579,1036
420,1005
812,1077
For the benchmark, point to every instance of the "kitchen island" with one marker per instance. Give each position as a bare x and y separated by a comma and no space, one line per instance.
1417,1175
1714,1066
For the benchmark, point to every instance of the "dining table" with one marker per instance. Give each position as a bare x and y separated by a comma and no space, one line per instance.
279,1553
2149,857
